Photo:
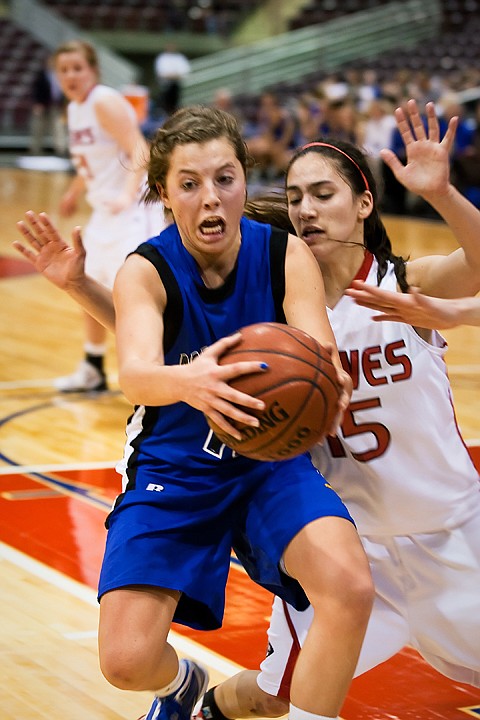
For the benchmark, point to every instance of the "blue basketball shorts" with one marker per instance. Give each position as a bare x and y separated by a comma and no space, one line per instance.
176,532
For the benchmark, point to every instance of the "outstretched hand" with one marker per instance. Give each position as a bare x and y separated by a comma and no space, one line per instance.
413,308
427,168
47,251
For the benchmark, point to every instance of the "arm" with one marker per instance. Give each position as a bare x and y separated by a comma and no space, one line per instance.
305,308
64,265
70,198
417,309
140,301
116,118
426,173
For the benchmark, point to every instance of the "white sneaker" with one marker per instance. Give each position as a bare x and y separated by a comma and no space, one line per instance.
86,378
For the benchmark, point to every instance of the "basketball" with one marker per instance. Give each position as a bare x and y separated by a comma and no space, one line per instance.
299,389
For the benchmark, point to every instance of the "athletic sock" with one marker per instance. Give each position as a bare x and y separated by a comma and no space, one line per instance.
96,361
176,683
209,708
94,354
296,713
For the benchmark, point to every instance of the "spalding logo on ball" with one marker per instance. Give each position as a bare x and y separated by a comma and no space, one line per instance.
299,389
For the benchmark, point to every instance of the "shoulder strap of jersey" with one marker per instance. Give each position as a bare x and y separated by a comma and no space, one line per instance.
278,251
173,315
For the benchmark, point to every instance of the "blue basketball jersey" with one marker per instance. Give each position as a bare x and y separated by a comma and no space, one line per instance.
187,500
195,318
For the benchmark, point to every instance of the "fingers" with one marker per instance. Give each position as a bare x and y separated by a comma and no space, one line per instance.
221,346
21,227
236,397
343,402
383,301
224,404
360,291
409,123
34,228
387,315
38,230
35,239
432,123
390,159
231,407
416,122
77,239
23,250
227,415
449,137
412,126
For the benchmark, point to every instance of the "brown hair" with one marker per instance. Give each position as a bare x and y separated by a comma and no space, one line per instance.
82,47
197,124
271,208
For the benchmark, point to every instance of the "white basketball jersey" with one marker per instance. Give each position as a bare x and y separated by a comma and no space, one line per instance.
399,462
95,154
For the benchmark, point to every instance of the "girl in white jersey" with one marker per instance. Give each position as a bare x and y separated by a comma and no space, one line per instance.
398,461
109,153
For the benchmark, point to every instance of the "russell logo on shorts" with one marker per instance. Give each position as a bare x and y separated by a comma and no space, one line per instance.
154,487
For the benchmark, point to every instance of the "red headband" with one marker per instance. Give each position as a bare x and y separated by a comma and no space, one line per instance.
334,147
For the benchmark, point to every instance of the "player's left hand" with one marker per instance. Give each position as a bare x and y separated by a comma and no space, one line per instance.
427,168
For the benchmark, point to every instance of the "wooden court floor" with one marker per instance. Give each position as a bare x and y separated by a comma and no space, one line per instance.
57,482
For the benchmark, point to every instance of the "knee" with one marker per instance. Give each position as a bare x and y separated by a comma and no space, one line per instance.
360,595
123,668
270,706
350,589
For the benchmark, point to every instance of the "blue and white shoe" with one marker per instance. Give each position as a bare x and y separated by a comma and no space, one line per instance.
179,705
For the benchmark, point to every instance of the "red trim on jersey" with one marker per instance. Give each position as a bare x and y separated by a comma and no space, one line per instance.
284,689
364,268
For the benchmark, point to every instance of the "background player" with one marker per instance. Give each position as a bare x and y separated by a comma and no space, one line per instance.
110,154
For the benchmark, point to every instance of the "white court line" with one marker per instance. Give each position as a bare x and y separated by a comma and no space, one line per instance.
87,595
43,383
26,384
49,468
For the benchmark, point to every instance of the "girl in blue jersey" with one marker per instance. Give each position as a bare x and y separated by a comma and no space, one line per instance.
186,500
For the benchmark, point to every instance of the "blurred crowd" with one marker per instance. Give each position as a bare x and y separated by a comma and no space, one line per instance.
358,107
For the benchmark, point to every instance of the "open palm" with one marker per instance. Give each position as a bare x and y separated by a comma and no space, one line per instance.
427,168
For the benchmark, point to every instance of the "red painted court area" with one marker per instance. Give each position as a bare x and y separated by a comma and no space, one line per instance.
58,519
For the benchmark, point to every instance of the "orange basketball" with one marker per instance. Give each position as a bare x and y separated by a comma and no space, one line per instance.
299,389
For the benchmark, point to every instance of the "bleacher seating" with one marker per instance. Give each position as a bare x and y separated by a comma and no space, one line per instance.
203,16
21,56
457,13
455,51
320,11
